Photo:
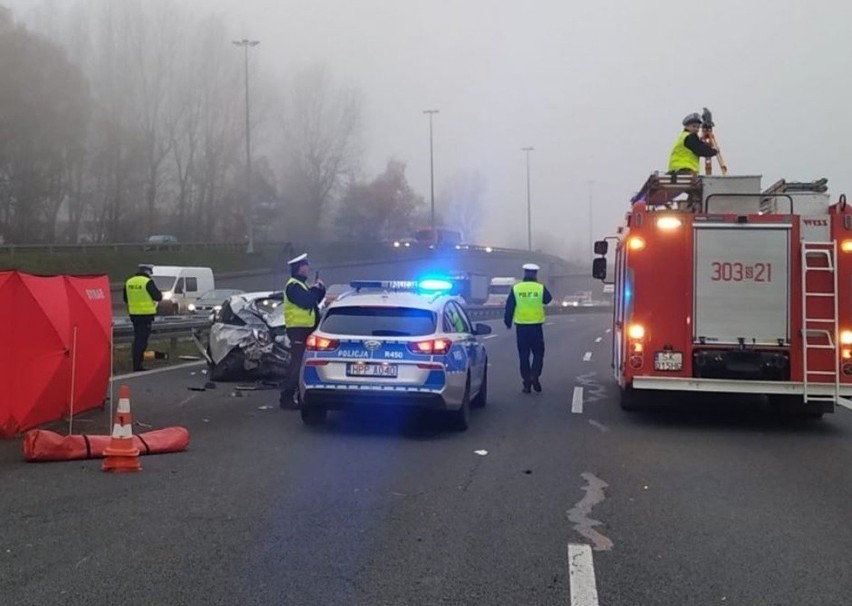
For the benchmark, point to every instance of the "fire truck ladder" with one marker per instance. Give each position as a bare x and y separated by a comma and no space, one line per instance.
819,257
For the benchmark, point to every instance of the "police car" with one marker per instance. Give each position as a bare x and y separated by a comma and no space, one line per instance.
396,343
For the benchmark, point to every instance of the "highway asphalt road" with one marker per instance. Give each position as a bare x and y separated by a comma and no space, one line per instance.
712,501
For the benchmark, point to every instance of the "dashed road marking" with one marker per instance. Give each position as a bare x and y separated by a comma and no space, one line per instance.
599,425
587,356
577,401
599,339
188,399
581,575
608,330
489,336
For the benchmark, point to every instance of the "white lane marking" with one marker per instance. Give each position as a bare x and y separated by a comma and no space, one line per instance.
599,425
577,401
581,575
845,403
599,339
549,323
587,356
146,373
608,330
489,336
188,399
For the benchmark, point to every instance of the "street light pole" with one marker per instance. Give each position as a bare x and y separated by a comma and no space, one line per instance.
529,205
245,44
591,251
591,221
431,113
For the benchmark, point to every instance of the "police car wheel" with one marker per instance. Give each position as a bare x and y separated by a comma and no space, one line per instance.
461,418
313,415
481,398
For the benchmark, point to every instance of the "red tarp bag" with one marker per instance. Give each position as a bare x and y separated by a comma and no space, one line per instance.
43,445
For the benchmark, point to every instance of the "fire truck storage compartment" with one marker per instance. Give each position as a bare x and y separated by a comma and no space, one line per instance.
745,199
742,284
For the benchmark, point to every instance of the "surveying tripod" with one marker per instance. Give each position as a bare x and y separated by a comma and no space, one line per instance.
710,139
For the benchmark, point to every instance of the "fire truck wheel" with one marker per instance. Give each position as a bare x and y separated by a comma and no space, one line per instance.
631,399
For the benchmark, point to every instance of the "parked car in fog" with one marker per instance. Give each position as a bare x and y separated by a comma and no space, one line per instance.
212,300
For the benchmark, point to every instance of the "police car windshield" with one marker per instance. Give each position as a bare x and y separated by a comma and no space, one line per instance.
379,321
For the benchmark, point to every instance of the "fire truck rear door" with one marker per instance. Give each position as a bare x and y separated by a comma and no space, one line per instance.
742,284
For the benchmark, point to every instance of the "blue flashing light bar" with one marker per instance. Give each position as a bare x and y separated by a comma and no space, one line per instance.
432,285
384,284
435,285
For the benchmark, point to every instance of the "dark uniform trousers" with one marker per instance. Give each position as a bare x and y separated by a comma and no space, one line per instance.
298,340
141,333
530,342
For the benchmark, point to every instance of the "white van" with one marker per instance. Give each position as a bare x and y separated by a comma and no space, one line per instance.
499,289
181,286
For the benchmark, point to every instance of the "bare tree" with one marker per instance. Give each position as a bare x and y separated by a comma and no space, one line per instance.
462,204
321,134
380,210
44,111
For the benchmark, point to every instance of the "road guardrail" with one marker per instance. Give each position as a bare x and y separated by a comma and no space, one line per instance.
168,327
176,327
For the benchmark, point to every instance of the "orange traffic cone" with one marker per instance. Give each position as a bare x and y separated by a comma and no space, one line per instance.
121,455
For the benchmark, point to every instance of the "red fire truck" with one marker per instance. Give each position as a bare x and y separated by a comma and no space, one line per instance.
723,287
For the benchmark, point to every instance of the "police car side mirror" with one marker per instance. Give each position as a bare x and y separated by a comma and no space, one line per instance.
482,329
599,268
601,247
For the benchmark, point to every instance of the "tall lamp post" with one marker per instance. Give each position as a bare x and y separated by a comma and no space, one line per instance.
245,44
431,113
591,230
529,205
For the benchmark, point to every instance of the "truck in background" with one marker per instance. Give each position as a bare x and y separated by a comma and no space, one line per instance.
438,237
470,286
499,289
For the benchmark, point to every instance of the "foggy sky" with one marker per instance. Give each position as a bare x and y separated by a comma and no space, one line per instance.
598,88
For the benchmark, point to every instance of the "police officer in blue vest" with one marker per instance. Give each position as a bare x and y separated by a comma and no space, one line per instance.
301,317
525,307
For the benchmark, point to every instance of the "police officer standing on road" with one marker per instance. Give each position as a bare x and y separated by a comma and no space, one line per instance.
141,296
301,316
525,307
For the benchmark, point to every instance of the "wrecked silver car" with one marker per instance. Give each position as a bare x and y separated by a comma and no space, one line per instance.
247,338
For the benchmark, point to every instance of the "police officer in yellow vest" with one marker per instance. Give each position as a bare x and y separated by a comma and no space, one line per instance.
141,296
301,316
525,307
688,148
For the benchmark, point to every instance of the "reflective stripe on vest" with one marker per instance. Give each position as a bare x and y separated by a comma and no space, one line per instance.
682,156
295,316
139,301
529,303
